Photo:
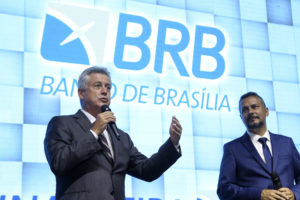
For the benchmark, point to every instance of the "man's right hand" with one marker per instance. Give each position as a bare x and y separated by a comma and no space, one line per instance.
102,120
268,194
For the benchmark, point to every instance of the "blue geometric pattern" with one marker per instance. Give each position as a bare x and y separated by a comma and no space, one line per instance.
262,54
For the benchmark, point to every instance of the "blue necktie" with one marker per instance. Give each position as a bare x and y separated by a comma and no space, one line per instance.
267,153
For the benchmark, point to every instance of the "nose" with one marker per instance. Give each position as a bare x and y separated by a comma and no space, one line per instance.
103,91
251,110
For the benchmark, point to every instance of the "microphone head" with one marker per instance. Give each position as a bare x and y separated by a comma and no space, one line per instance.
274,176
276,180
105,108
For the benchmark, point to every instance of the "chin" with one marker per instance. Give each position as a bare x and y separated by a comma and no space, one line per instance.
255,125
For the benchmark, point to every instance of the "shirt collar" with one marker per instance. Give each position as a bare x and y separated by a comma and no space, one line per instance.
91,118
255,137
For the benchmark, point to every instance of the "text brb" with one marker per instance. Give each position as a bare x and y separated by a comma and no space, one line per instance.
162,47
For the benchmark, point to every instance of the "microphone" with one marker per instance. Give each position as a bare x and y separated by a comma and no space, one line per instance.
112,125
276,180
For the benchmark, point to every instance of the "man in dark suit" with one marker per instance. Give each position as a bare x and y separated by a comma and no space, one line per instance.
88,158
260,164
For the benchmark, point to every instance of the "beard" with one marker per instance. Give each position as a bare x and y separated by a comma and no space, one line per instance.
255,125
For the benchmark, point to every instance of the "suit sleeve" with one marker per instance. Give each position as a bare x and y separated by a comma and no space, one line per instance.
227,187
149,169
296,166
63,152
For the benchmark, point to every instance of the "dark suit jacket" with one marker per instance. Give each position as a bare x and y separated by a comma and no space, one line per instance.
243,174
83,171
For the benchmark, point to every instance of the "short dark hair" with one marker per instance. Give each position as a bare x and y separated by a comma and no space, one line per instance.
250,94
85,75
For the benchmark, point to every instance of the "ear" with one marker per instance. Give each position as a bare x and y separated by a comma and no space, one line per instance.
267,111
81,93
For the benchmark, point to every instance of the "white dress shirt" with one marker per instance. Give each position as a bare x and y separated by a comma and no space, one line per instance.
258,145
105,133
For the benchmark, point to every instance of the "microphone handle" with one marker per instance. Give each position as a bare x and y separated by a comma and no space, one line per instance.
114,129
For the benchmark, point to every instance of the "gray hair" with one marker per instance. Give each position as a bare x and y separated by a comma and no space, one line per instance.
85,75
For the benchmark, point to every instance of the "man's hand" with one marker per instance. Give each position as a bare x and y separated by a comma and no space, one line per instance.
175,130
287,193
102,120
268,194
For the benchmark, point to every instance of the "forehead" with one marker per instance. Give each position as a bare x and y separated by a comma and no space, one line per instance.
251,100
98,77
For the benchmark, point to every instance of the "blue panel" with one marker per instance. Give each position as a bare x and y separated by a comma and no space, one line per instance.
37,180
284,67
148,190
208,152
187,146
232,125
272,121
288,124
255,35
11,178
295,12
178,184
207,181
33,34
114,4
264,89
172,3
128,186
79,2
35,9
206,123
12,68
145,1
200,5
235,62
254,10
142,8
35,68
227,8
39,108
199,18
11,106
279,11
229,87
258,64
12,32
232,29
287,97
282,39
12,7
10,142
33,143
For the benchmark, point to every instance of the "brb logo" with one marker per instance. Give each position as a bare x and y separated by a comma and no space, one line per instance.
79,35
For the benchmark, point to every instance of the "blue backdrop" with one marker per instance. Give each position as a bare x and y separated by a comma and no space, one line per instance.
151,48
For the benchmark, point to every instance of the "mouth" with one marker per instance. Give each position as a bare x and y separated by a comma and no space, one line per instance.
250,119
104,100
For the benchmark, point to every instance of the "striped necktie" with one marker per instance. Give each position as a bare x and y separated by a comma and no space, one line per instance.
105,145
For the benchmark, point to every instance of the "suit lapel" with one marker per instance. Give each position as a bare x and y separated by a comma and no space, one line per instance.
86,125
252,150
83,121
275,149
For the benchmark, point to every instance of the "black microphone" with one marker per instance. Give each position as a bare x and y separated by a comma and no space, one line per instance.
276,180
112,125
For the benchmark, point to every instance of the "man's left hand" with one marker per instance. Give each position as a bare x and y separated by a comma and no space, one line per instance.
287,193
175,131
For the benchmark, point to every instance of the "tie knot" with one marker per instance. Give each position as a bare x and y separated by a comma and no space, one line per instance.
263,140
